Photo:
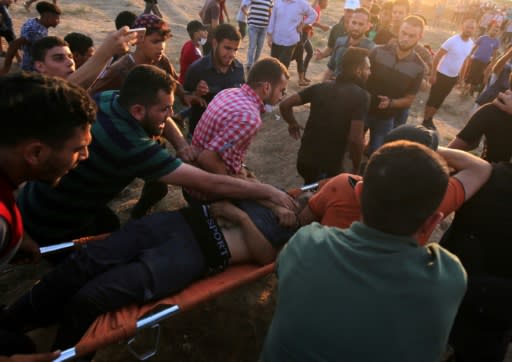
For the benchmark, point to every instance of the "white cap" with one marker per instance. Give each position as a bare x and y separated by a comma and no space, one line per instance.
352,4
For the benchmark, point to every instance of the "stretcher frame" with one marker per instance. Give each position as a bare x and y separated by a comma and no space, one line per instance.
150,315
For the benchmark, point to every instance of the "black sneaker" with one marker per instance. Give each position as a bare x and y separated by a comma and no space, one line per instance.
429,124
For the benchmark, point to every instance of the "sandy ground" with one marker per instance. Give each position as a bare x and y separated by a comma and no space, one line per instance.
232,327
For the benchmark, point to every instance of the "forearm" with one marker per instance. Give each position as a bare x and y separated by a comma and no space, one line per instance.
461,160
404,102
355,150
89,71
173,134
287,114
11,52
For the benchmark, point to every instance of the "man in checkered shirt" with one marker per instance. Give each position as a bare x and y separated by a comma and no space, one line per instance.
232,118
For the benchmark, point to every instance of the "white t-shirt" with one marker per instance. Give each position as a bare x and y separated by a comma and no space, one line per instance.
457,50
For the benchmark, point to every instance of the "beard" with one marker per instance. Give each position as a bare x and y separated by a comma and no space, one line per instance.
405,49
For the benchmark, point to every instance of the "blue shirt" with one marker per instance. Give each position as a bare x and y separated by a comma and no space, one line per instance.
486,48
32,31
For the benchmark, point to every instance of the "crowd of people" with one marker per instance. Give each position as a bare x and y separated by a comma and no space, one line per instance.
356,253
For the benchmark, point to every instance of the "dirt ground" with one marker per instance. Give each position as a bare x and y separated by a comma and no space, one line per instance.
232,327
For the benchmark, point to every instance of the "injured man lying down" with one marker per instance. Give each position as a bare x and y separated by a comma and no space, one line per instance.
146,260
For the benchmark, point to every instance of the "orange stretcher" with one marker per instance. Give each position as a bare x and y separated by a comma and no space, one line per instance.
127,322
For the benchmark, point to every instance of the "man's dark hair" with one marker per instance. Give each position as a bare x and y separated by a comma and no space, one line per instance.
267,70
404,183
416,21
79,43
363,11
48,109
125,18
403,3
142,85
41,46
226,31
353,58
46,7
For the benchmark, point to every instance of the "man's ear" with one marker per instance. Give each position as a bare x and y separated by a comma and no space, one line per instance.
138,111
34,152
40,67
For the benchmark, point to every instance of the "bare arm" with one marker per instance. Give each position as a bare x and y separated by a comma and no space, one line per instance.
212,162
473,172
286,110
173,134
226,186
306,216
116,43
435,62
356,144
11,52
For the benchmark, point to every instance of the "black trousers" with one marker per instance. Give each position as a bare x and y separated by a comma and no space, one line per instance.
282,53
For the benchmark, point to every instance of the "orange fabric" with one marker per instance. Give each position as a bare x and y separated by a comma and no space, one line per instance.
120,325
336,204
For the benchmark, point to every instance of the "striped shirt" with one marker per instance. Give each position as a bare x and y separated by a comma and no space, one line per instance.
120,151
259,12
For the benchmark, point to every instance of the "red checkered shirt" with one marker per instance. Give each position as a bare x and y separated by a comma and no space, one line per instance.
229,124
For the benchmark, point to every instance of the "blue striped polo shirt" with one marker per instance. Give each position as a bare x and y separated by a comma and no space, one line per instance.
120,151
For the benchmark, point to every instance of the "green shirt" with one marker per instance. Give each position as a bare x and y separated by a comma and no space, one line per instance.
120,151
362,295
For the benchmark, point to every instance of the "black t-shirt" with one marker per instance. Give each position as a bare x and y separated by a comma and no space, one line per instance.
333,107
496,126
336,31
393,77
481,233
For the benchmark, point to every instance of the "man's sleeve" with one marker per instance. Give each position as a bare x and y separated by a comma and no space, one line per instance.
306,94
191,78
447,45
153,161
454,197
310,14
476,126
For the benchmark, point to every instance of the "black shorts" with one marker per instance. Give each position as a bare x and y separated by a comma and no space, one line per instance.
476,72
440,90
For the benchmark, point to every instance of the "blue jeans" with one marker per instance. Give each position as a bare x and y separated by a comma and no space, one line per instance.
401,116
256,41
379,128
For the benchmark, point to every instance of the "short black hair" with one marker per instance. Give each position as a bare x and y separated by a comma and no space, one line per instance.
125,18
353,58
363,11
415,20
142,85
46,7
34,106
267,70
404,183
41,47
226,31
79,43
194,26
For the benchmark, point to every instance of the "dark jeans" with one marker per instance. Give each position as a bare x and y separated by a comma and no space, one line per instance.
283,53
483,327
146,260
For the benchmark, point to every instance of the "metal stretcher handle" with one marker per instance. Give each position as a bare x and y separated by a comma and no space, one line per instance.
309,187
57,247
157,317
66,355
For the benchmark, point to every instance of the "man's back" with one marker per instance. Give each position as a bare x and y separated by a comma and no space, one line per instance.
362,295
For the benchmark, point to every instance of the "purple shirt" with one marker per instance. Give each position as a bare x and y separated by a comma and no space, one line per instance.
486,47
